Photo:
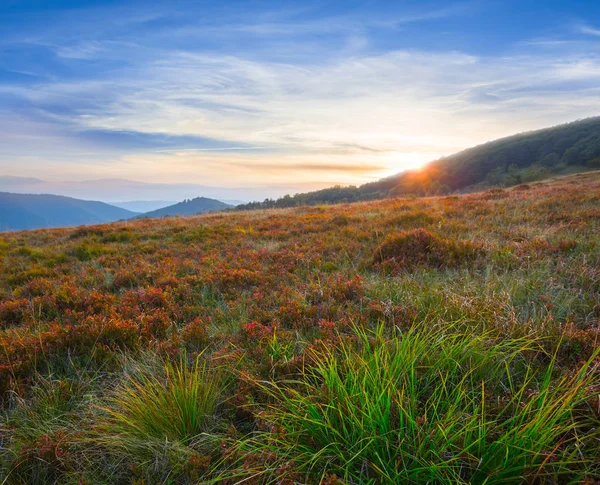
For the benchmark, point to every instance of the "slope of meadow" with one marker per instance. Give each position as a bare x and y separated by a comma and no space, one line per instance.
408,340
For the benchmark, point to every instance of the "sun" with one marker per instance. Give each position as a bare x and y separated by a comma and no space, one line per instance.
402,161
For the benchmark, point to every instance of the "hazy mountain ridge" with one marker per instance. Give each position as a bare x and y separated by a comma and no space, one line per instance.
44,211
188,207
40,211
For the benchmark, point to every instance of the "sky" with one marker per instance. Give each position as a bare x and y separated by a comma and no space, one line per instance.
269,94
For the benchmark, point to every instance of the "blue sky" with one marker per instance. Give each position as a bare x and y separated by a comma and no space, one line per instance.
282,93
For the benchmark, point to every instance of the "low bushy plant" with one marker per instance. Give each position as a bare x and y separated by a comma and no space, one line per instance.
420,248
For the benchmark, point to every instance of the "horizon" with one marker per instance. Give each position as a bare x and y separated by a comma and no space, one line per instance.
158,195
248,96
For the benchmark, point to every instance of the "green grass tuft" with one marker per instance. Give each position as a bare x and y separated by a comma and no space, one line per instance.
427,407
177,402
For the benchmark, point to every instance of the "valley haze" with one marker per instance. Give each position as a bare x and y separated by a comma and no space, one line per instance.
123,191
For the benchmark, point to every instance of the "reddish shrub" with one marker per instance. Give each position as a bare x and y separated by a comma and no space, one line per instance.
413,219
124,279
195,333
12,312
420,248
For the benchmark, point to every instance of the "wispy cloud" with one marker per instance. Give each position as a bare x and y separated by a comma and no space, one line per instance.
587,29
381,111
310,167
382,101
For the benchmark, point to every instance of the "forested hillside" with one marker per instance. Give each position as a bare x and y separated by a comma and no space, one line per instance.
521,158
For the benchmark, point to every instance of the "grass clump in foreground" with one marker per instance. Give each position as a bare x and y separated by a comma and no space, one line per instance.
178,403
427,407
160,418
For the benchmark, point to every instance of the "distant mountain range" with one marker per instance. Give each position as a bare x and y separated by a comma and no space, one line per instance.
190,207
26,211
522,158
35,211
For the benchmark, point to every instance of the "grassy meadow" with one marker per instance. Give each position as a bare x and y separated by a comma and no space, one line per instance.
439,340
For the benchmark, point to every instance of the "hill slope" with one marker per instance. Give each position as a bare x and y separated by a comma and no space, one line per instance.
521,158
524,157
25,211
189,207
